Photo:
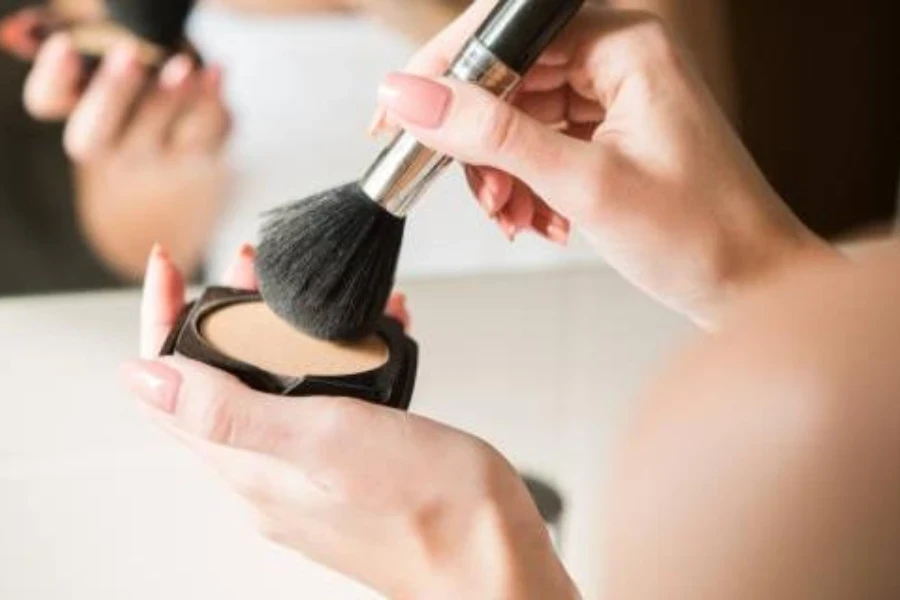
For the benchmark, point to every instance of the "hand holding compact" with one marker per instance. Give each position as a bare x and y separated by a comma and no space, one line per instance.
407,506
614,131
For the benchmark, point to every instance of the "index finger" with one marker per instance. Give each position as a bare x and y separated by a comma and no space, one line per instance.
161,303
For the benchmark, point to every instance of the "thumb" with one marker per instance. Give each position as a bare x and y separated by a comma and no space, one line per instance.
207,404
475,127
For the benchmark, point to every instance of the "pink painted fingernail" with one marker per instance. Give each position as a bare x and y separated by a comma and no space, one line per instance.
416,100
558,234
153,383
123,58
175,72
377,124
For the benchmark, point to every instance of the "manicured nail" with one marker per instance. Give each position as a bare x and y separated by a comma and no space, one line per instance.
153,383
58,47
212,79
377,124
248,252
416,100
123,59
175,72
558,234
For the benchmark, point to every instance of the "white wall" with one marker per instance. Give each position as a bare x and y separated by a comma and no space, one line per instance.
303,90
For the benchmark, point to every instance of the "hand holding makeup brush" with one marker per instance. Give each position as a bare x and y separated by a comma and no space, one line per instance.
616,132
402,504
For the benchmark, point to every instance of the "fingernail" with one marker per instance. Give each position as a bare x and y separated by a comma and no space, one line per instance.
557,234
58,47
123,59
416,100
153,383
377,124
175,72
508,229
248,252
212,80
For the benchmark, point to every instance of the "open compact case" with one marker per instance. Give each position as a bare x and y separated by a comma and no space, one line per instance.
234,331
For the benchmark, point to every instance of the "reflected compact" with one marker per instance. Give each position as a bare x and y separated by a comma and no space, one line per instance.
236,332
155,27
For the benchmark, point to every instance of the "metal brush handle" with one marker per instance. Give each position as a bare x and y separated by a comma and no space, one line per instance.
405,168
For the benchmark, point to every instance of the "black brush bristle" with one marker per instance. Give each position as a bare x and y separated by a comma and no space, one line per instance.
160,21
326,264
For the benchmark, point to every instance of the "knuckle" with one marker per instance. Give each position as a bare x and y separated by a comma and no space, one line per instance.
215,421
652,42
79,147
498,127
335,420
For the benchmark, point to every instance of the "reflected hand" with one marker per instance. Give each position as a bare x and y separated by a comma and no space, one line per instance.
149,150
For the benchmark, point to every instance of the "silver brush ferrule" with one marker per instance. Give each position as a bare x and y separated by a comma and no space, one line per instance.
405,168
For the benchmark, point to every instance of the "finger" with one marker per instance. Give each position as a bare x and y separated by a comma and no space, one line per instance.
549,224
52,87
434,58
518,214
161,303
241,273
544,78
104,110
151,124
474,127
21,32
492,188
205,125
583,110
397,309
345,447
550,107
211,406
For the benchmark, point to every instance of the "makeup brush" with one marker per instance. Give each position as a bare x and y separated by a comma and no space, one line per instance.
326,264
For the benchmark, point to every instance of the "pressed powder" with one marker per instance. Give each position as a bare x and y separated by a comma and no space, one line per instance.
236,332
250,332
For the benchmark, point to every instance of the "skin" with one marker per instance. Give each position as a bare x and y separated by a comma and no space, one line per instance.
463,521
163,149
764,462
703,26
615,131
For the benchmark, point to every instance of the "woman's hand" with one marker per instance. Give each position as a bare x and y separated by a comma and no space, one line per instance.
149,150
614,131
407,506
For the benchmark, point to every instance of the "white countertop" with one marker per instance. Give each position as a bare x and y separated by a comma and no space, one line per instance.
95,503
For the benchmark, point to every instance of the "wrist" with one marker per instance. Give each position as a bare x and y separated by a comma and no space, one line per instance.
773,249
498,548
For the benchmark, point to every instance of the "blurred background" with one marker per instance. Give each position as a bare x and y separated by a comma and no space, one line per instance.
562,343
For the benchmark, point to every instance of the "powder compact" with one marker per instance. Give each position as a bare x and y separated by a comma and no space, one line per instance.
236,332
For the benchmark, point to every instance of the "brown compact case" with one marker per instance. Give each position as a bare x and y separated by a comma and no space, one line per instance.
390,384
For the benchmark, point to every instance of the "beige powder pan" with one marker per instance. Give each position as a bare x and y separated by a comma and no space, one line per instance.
235,331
